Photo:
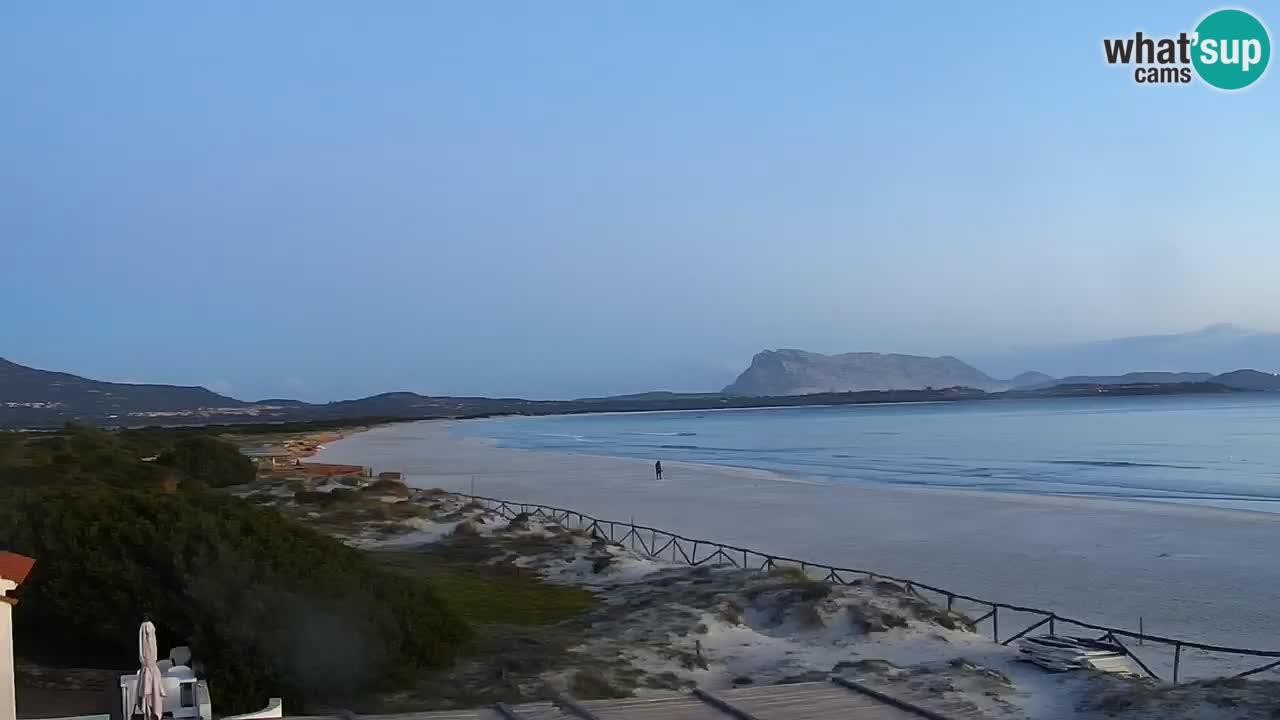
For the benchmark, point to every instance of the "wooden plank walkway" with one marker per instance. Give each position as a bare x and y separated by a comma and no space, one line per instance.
811,701
800,701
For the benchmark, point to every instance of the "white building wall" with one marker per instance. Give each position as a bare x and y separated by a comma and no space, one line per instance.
8,697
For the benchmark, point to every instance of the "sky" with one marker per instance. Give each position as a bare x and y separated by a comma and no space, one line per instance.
326,200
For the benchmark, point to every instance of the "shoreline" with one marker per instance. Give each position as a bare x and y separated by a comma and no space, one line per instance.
1135,502
1196,572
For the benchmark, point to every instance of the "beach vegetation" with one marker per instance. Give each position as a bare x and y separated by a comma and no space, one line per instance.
208,460
788,577
271,608
487,593
78,454
465,528
386,487
810,617
268,606
601,562
666,680
593,684
731,612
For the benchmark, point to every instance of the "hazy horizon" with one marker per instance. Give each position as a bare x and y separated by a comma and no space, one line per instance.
1194,351
324,200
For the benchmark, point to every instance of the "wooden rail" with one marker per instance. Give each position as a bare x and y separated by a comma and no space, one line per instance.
662,544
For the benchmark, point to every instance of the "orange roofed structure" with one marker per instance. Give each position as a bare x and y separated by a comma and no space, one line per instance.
15,567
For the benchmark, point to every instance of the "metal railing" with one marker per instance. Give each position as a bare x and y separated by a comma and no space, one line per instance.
662,545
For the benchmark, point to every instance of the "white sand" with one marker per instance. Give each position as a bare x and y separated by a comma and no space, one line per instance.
1199,573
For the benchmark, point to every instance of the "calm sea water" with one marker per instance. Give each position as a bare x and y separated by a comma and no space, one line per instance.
1220,450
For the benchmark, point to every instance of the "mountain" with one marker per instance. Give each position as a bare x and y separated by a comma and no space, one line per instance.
22,386
1215,349
1248,380
796,372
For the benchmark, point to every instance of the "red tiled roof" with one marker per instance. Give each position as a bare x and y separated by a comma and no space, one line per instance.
15,567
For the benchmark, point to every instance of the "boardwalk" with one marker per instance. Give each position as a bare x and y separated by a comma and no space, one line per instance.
801,701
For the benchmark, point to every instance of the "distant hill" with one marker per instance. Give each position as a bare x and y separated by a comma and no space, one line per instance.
1248,380
648,396
796,372
1215,349
35,398
413,405
24,386
1029,380
1125,389
1133,378
283,403
1235,380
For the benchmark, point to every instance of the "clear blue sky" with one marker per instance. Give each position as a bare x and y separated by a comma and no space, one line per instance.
329,199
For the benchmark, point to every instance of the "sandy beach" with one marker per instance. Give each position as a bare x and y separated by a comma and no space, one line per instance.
1192,572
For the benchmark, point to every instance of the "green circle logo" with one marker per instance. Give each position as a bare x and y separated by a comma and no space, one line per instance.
1231,49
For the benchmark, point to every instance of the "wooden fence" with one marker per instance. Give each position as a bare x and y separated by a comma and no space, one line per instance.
663,545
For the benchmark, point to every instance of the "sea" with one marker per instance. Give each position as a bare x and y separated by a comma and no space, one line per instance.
1214,450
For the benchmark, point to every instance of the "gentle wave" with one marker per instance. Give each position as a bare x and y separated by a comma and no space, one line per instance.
662,434
1184,448
579,438
1121,463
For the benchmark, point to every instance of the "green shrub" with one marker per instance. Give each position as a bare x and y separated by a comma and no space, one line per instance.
209,460
326,498
76,455
344,494
386,487
269,606
466,528
593,684
312,497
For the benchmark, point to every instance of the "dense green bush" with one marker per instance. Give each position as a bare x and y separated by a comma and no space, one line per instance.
208,460
325,498
80,454
269,606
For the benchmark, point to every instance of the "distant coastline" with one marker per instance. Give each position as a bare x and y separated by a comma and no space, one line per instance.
371,411
868,397
33,399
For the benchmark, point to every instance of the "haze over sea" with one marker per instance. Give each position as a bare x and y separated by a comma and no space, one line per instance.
1219,450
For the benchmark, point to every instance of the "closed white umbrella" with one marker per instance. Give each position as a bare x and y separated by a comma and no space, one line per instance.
149,689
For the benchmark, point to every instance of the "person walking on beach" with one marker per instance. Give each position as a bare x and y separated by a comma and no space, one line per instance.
657,469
